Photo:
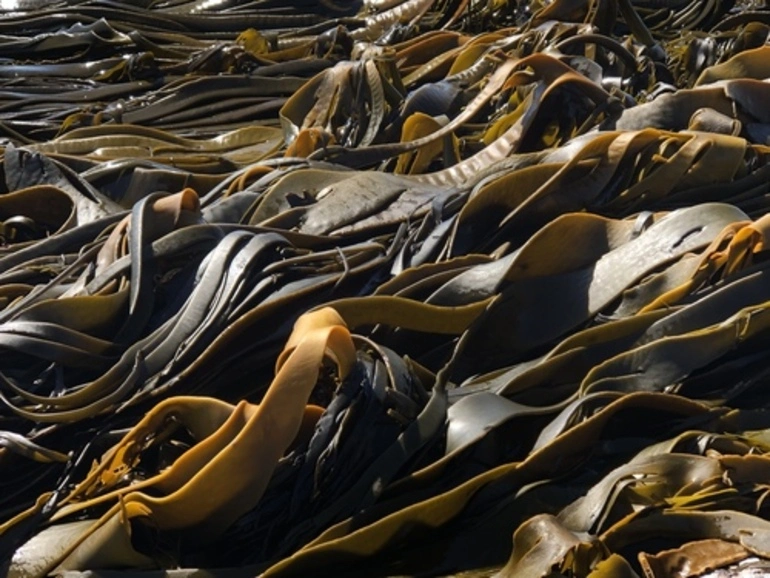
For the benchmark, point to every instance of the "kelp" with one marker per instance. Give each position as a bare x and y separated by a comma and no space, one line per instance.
380,288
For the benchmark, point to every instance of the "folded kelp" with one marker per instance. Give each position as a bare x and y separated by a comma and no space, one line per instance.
184,498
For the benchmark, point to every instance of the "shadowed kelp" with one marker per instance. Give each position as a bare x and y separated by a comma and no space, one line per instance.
384,288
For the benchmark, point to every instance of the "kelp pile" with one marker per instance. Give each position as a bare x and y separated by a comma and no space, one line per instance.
385,287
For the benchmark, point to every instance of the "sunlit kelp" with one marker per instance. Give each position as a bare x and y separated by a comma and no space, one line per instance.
510,258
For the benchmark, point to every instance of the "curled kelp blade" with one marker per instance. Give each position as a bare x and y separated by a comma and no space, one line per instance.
700,555
198,415
335,476
346,101
213,455
533,556
675,111
26,168
732,251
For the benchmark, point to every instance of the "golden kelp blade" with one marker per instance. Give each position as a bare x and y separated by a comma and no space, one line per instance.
193,496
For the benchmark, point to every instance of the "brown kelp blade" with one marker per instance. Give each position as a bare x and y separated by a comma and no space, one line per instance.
510,258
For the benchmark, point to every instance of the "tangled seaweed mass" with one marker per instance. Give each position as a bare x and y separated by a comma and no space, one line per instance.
387,287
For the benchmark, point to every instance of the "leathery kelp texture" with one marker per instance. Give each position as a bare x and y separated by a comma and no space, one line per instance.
384,288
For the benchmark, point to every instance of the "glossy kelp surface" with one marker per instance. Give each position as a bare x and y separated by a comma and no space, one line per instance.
384,288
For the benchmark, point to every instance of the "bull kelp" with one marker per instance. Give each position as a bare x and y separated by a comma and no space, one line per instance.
384,288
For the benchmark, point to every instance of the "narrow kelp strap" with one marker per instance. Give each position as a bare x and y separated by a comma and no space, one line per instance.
22,446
